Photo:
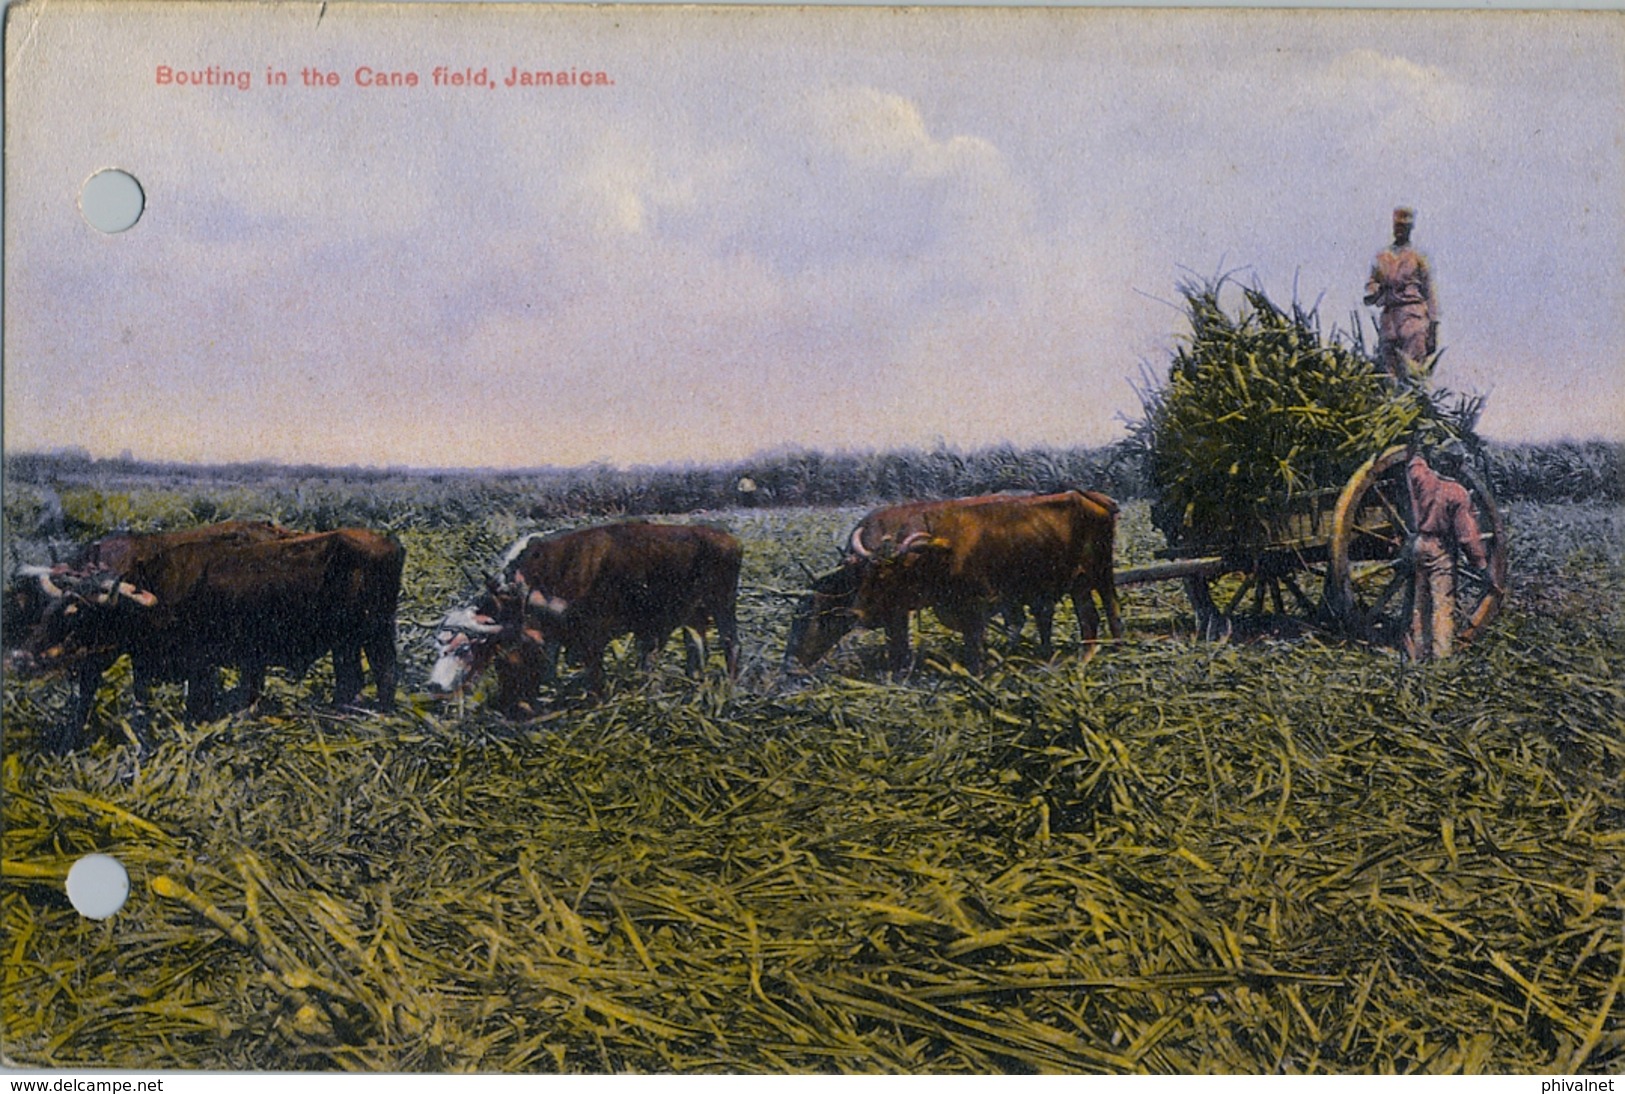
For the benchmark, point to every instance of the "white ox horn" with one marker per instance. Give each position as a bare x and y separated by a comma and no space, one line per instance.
855,544
129,592
470,622
551,606
42,574
100,587
140,596
547,605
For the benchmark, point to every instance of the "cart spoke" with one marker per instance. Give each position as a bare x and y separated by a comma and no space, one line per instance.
1472,589
1400,580
1378,535
1297,593
1393,511
1246,587
1364,573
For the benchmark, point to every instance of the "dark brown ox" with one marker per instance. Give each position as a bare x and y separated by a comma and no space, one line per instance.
34,590
250,603
580,590
964,558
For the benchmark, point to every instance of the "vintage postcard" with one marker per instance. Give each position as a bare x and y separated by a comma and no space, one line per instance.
615,539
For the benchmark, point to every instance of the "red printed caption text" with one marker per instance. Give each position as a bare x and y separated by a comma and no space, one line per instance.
440,76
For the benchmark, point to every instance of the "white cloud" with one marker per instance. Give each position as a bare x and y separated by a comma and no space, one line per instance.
1391,108
871,126
886,131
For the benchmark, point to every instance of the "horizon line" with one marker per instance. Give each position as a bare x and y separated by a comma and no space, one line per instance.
81,455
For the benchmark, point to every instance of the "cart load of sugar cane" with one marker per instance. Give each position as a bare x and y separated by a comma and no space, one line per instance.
1263,418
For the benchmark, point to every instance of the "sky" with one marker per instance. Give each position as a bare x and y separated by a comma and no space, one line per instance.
763,229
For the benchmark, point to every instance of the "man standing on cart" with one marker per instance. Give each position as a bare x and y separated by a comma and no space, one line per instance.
1444,521
1401,284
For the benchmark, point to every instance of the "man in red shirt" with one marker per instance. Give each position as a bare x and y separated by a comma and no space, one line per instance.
1401,284
1444,521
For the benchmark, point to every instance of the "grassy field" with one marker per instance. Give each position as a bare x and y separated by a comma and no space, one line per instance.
1171,857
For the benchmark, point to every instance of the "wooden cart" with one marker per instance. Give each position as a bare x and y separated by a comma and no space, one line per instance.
1337,560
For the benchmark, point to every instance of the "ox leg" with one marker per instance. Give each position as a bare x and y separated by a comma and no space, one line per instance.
1015,618
694,650
251,682
649,647
1108,598
62,736
202,694
900,654
592,662
1104,583
1083,602
728,635
1044,613
551,649
975,642
141,715
346,674
380,651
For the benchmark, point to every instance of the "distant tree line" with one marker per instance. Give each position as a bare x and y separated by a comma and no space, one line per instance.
72,494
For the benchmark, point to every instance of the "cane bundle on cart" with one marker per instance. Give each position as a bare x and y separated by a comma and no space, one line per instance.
1277,458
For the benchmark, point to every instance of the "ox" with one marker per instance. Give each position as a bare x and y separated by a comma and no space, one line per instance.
580,590
232,600
963,558
34,590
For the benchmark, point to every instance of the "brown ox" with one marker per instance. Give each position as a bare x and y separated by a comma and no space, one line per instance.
33,591
235,599
963,559
580,590
33,588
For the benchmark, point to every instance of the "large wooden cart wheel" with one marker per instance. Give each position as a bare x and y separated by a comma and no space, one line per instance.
1370,580
1274,591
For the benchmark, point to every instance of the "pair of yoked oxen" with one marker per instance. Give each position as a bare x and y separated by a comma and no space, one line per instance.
250,595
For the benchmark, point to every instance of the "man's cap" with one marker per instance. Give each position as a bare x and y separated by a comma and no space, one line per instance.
1404,215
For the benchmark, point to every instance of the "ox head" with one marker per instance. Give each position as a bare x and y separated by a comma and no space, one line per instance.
465,641
31,591
824,615
82,616
522,668
871,581
509,627
503,625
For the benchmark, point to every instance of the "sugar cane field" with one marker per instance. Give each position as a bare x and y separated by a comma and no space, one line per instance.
1295,854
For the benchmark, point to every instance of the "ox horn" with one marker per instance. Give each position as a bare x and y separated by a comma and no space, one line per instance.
108,588
139,596
128,591
547,605
535,598
42,574
468,622
855,544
